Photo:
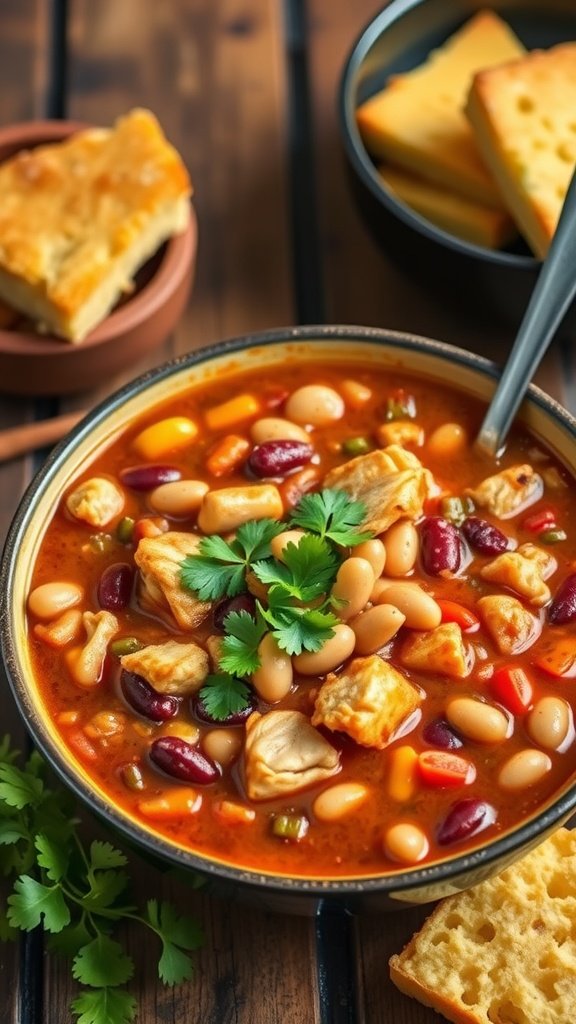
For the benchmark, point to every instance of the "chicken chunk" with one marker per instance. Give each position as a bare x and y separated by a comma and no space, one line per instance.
441,650
87,662
524,571
283,754
391,482
369,701
512,627
96,501
172,667
214,648
507,493
160,590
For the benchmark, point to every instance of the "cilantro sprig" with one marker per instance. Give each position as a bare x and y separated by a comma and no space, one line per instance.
298,610
77,892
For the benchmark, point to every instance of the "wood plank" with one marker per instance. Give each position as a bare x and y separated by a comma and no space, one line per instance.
23,76
213,73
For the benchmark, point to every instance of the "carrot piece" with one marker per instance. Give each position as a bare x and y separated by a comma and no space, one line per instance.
541,520
219,417
174,803
402,773
439,768
227,455
81,746
512,687
454,612
230,813
560,660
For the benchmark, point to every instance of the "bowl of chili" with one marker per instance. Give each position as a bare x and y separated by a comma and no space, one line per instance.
269,613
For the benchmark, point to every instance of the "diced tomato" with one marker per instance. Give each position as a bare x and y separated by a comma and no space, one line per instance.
274,396
440,768
454,612
512,687
559,660
541,520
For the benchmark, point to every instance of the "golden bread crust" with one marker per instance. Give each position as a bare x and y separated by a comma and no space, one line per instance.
73,213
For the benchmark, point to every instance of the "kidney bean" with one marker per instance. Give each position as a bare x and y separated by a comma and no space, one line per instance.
240,603
236,718
115,586
183,760
484,537
439,545
440,734
563,607
277,458
465,818
144,699
147,477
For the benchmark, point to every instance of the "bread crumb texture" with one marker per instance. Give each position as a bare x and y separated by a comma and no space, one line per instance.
505,951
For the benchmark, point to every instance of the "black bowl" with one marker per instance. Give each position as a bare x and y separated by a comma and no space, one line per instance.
491,284
433,360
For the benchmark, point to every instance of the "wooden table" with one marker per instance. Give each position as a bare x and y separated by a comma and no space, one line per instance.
247,90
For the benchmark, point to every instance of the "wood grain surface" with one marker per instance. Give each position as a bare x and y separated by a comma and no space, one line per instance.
246,89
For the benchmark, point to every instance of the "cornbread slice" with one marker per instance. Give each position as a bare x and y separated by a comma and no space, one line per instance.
524,119
505,951
417,122
464,218
79,217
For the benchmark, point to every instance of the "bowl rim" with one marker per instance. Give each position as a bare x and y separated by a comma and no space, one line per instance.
364,167
527,834
172,268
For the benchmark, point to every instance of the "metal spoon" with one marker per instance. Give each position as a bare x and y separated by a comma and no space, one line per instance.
553,293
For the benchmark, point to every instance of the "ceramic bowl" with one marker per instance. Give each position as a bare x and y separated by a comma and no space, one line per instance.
493,284
40,364
433,360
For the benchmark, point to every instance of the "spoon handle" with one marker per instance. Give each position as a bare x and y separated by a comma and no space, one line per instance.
550,299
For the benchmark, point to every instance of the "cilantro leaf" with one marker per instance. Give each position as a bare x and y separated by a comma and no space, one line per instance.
223,695
332,514
17,788
174,966
299,629
212,579
104,855
105,888
12,831
71,938
255,537
32,903
52,856
239,653
7,932
307,570
174,931
102,962
219,568
105,1006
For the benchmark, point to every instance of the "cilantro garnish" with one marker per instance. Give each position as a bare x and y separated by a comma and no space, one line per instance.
239,654
331,514
298,629
77,893
219,569
223,695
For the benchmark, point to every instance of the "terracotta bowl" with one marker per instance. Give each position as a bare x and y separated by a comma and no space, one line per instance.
433,360
40,364
489,283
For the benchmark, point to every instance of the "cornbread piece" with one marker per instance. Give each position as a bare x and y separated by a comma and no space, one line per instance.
170,667
417,122
504,951
368,700
391,482
283,754
78,218
522,115
160,590
464,218
441,650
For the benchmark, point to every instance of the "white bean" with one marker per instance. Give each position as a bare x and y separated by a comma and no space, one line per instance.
401,543
331,654
420,610
375,627
315,404
524,769
477,720
179,498
277,544
375,553
353,585
223,745
549,722
338,801
273,428
405,842
51,599
226,509
447,440
273,679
